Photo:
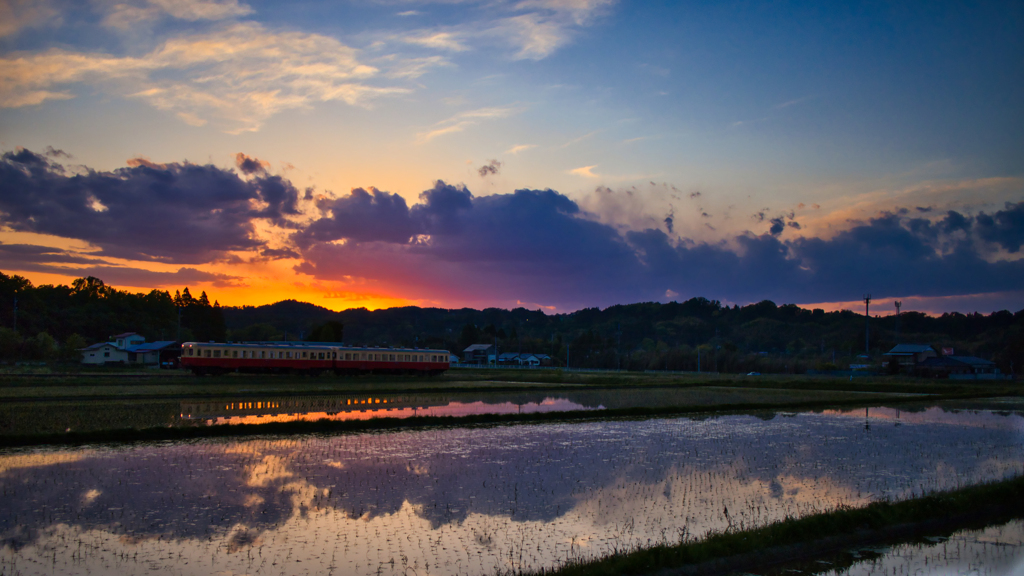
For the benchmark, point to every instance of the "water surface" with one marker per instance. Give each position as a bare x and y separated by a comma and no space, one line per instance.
472,500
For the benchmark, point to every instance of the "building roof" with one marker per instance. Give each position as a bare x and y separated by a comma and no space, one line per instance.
99,345
476,347
908,349
152,346
972,361
942,362
511,355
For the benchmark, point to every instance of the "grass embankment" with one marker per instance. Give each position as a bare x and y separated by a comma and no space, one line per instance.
791,541
167,384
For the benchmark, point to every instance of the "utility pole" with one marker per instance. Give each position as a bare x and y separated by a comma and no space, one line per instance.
898,304
619,345
867,324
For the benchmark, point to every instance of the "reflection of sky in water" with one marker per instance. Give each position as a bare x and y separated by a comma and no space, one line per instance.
469,500
994,551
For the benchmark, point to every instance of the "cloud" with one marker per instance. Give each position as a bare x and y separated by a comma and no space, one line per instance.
463,120
1005,227
547,25
520,148
580,139
125,15
174,212
236,76
489,169
362,216
439,40
537,245
792,102
585,171
251,165
12,256
16,15
279,254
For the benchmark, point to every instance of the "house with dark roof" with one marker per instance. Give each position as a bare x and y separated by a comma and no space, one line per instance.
910,355
959,368
132,348
160,353
478,354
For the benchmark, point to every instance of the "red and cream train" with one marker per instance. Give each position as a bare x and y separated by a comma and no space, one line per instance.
309,358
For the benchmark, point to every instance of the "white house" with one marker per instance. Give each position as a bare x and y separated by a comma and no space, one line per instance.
130,348
103,353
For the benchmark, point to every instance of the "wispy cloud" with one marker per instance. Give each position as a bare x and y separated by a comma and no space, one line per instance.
532,29
585,171
580,139
449,41
463,120
124,15
520,148
18,14
236,76
792,102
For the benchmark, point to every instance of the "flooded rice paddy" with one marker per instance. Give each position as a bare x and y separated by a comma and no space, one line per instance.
993,551
472,500
48,417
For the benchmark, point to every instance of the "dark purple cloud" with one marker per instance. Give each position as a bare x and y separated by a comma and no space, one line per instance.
1005,227
537,246
490,169
534,246
13,255
180,213
361,216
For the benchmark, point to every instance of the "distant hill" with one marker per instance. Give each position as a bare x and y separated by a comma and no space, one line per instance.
646,335
649,335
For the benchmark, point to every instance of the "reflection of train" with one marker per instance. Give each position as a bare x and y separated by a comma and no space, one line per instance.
309,358
298,406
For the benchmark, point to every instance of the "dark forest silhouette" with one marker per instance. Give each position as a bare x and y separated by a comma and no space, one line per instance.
54,320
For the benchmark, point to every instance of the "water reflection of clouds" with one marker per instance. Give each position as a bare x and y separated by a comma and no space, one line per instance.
539,492
936,415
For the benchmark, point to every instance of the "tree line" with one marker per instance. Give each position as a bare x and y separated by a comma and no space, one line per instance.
56,320
49,322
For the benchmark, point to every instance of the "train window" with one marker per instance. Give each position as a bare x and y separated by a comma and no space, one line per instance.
234,353
216,353
263,353
392,357
206,353
189,351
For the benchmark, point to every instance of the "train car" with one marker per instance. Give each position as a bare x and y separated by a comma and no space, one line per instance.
309,358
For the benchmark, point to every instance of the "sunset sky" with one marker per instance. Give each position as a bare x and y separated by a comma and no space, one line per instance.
553,154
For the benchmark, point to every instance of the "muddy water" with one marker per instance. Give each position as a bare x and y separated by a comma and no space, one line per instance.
471,500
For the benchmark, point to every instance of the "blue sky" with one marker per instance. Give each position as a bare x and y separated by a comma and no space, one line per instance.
718,125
